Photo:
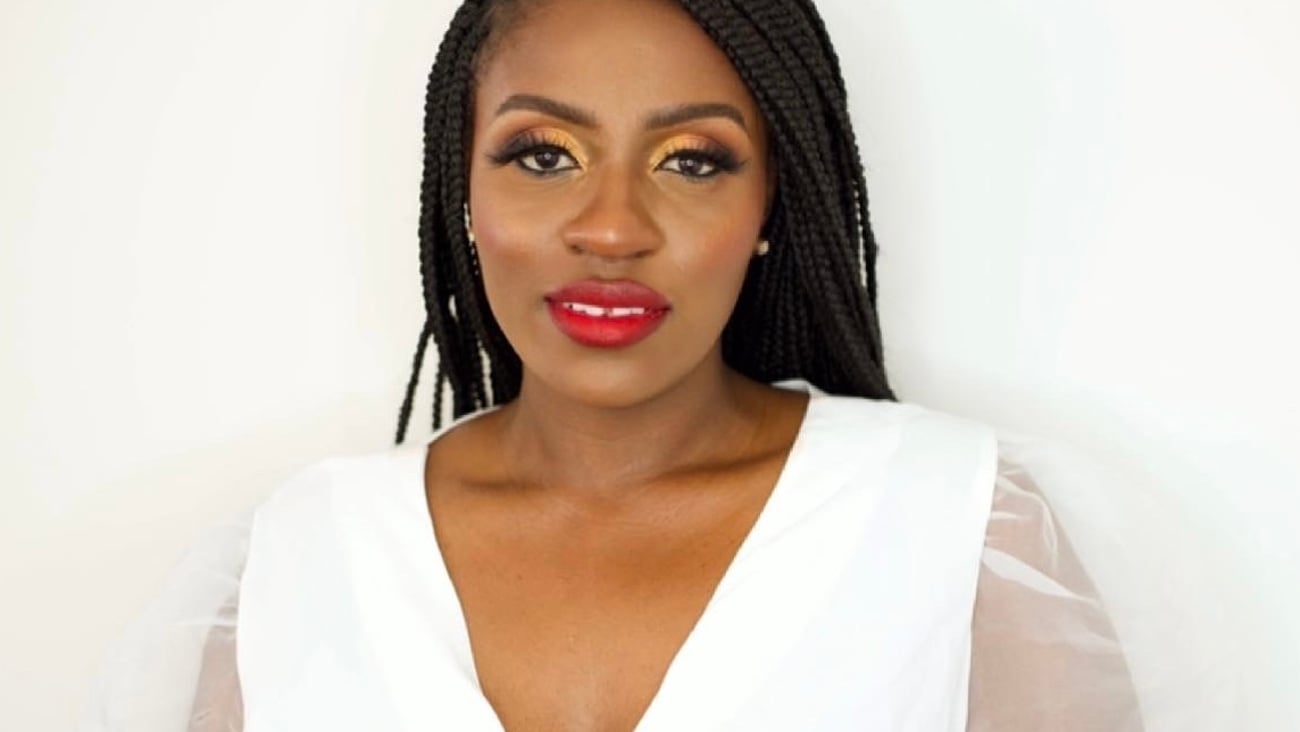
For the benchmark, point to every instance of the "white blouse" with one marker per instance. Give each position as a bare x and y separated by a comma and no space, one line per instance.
903,575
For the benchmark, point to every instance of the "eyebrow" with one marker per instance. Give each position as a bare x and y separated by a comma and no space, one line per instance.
688,112
546,105
661,118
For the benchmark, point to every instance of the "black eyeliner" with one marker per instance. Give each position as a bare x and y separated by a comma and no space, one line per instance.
524,142
719,156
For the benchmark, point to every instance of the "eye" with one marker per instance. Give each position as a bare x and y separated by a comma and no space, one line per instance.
691,165
546,159
700,164
535,154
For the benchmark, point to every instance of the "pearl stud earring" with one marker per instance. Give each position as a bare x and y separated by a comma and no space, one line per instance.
763,247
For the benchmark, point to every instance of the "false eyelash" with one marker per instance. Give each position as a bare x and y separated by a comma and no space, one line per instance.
526,142
721,158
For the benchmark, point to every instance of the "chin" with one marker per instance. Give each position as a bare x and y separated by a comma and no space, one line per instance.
612,378
604,385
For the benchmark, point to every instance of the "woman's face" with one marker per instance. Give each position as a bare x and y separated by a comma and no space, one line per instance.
619,179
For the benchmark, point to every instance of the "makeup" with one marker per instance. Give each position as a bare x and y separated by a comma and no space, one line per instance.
607,313
540,152
696,159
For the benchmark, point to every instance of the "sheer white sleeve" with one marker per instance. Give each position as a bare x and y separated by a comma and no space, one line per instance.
174,667
1094,609
1044,654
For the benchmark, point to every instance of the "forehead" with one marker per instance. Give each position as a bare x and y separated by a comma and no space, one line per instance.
617,58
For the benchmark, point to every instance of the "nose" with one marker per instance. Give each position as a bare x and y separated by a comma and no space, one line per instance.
614,222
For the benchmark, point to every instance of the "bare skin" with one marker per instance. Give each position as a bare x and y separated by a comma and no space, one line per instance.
578,597
586,524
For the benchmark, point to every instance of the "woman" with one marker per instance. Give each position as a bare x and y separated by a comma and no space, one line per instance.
647,268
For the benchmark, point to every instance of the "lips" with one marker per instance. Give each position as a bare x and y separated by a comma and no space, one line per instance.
607,313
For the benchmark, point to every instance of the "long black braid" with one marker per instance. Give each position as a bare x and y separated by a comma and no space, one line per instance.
806,310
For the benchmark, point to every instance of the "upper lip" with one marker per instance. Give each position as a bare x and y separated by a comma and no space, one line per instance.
610,294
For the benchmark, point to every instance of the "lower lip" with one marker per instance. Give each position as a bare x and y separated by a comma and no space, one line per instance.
601,332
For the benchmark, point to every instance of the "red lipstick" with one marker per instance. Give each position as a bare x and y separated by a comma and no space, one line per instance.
607,313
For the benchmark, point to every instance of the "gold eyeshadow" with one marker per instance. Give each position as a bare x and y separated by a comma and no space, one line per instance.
699,148
692,153
533,138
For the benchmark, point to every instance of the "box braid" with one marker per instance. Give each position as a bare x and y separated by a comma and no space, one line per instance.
806,310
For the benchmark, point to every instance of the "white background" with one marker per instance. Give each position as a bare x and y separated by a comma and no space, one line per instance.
208,277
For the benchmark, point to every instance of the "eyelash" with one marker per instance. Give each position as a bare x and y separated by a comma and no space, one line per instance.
520,147
716,156
529,143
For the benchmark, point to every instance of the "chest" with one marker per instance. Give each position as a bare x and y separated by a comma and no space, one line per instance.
848,608
574,616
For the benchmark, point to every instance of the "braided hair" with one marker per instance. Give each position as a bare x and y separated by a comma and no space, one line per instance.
806,310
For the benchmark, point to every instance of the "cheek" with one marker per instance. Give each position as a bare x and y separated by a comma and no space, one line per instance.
515,218
727,238
714,268
712,238
723,257
507,243
503,264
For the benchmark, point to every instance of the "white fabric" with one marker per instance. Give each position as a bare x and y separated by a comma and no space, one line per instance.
847,607
903,576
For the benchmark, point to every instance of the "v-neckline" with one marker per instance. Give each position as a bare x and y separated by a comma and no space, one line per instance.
445,589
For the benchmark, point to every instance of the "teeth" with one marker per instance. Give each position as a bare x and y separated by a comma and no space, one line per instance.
599,312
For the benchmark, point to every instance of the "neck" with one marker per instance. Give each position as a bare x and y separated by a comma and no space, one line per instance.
558,441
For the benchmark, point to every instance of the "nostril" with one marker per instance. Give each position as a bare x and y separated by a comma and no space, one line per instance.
624,245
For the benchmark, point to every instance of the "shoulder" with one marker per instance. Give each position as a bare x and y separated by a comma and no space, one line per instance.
850,410
330,483
326,517
907,430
